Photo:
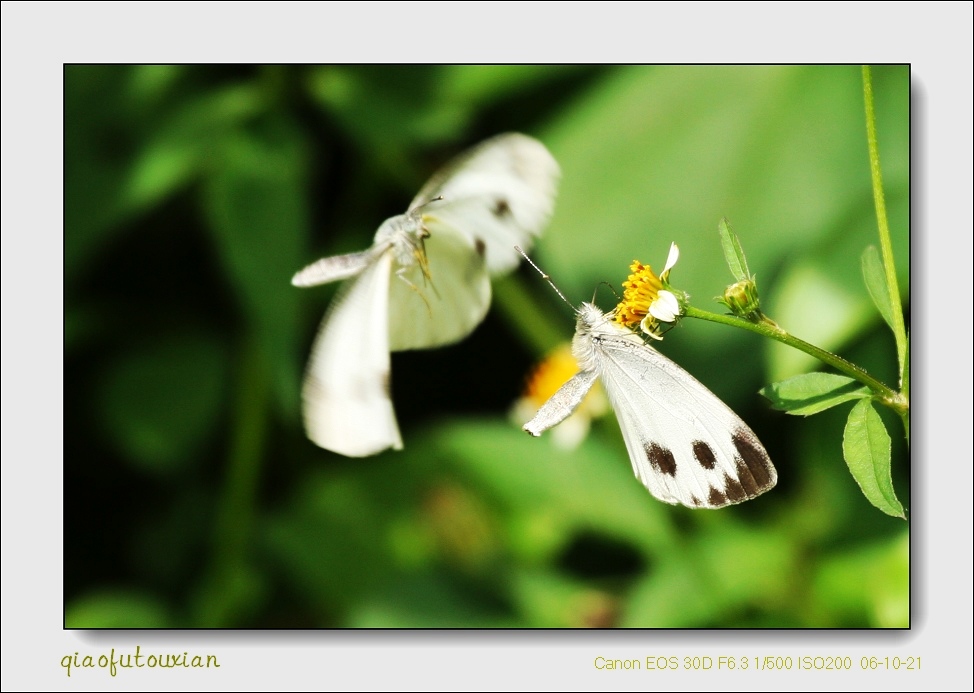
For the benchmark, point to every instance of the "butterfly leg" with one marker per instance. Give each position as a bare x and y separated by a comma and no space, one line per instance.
401,275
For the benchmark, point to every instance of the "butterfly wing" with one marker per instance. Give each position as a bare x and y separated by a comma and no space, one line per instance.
497,195
331,269
562,404
347,407
445,307
685,444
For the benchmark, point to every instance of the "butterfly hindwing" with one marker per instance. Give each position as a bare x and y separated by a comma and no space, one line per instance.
446,306
685,444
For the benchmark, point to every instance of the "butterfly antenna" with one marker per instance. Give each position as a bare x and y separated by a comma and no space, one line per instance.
438,198
544,276
611,288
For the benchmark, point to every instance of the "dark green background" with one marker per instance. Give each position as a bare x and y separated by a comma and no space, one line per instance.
192,497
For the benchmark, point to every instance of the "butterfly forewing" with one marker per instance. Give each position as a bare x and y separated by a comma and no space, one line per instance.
499,195
335,268
562,403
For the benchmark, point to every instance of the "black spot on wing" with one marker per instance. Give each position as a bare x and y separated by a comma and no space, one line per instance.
704,454
755,474
501,208
661,459
754,468
716,499
480,246
734,491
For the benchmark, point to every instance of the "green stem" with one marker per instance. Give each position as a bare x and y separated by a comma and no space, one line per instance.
885,243
222,591
905,415
886,395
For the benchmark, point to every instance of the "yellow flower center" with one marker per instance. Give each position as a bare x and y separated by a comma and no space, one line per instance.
640,290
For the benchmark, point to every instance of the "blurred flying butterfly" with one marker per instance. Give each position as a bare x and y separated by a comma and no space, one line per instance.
425,282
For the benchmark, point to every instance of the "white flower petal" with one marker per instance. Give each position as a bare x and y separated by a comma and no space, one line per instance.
647,327
665,307
671,258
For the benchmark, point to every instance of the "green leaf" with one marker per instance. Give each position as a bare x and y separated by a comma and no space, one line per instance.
733,252
811,393
866,447
875,276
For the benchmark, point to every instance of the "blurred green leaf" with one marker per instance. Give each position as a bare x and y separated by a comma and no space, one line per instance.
483,85
161,401
330,541
148,147
387,108
428,602
230,599
256,202
688,157
592,486
811,393
117,609
95,151
869,585
726,570
179,149
875,277
672,595
822,311
866,447
550,600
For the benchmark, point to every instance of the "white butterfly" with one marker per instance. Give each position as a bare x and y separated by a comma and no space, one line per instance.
459,230
686,446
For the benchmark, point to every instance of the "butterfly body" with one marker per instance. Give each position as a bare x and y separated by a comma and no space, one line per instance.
404,235
686,446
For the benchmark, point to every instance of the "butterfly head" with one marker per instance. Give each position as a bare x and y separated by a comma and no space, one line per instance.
406,235
592,329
